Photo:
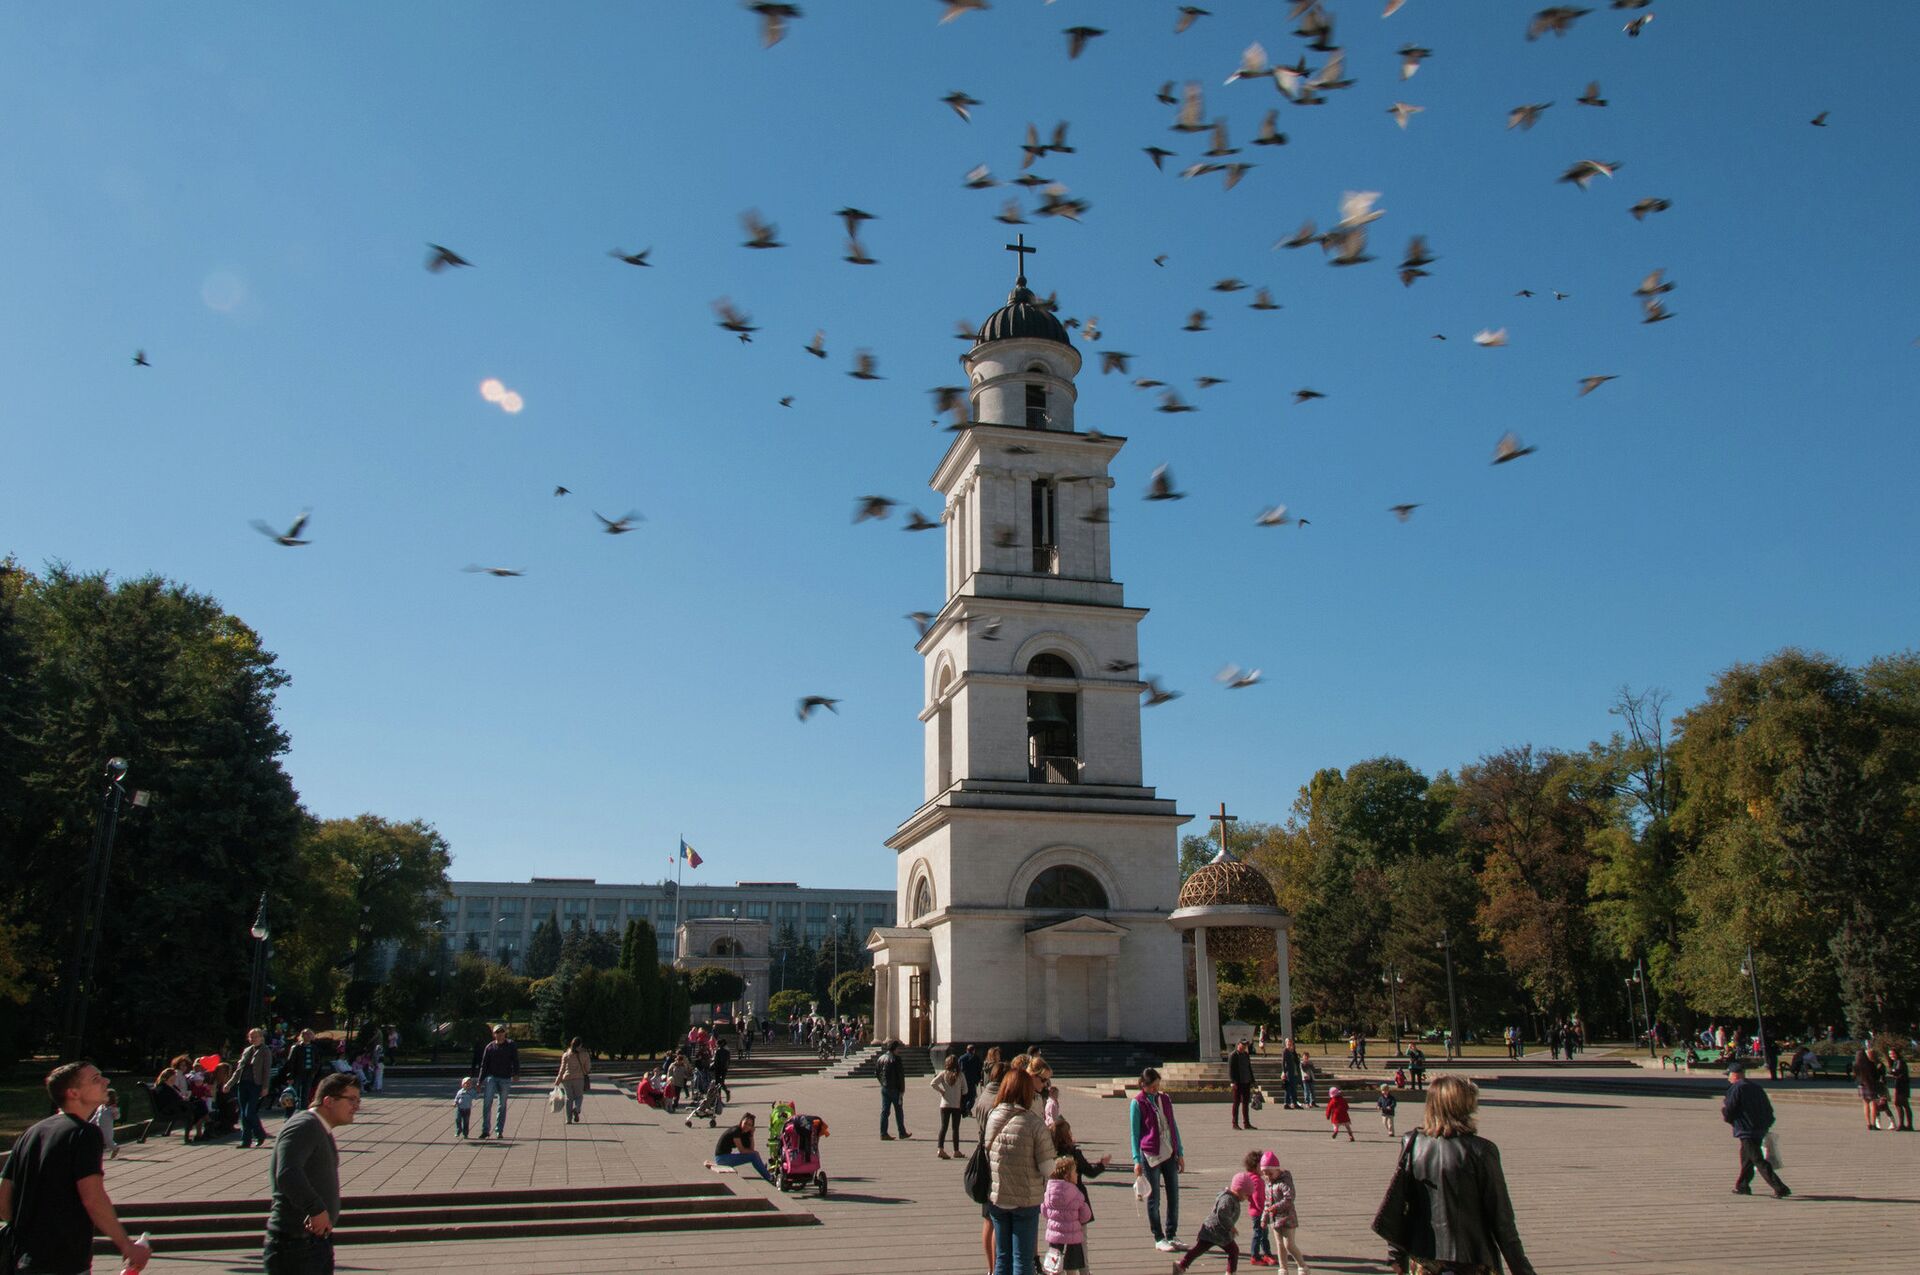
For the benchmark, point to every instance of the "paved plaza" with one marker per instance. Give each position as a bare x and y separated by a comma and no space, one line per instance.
1600,1183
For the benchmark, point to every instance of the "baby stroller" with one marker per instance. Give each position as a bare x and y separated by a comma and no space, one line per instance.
800,1154
707,1106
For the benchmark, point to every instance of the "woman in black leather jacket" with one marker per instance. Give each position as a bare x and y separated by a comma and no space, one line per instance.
1458,1172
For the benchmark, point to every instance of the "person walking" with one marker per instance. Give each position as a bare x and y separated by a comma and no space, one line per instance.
463,1107
1290,1076
893,1087
1339,1115
252,1076
1457,1172
1900,1081
1747,1108
499,1065
1157,1156
304,1068
53,1192
970,1076
1417,1066
576,1065
1020,1156
722,1063
951,1086
306,1182
1871,1079
1240,1076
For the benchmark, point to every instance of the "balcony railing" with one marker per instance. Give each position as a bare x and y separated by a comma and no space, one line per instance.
1054,770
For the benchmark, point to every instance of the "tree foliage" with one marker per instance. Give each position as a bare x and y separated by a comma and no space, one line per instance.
711,985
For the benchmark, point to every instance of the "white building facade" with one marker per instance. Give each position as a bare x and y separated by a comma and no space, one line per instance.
1035,880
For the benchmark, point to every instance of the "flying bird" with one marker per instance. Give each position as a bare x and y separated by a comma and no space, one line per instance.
1010,213
1114,361
818,348
1403,512
1078,39
1638,24
1411,56
811,702
1558,19
922,620
1208,382
1171,402
1818,121
857,254
786,400
980,178
1413,266
851,218
863,365
618,526
1229,284
873,507
1509,448
1306,396
1196,322
957,7
140,359
441,258
1654,311
1525,116
989,626
1189,15
563,491
1157,154
733,320
1308,233
1270,134
1588,384
1121,666
1653,285
1645,206
962,104
773,20
1592,96
1273,516
1253,64
1234,678
1262,300
500,572
760,233
291,536
1156,695
1192,110
1586,170
917,521
1488,338
1161,486
1402,112
632,258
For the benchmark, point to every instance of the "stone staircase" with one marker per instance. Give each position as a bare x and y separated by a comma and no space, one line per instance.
184,1226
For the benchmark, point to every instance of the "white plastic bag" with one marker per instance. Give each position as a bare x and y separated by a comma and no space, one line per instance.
557,1099
1770,1146
1141,1189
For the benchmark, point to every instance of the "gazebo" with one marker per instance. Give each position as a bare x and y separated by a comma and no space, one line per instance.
1230,907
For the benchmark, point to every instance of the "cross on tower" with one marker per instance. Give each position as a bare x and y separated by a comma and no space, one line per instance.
1020,247
1223,819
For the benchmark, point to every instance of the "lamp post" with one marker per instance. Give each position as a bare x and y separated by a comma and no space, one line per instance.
93,903
257,987
1640,978
1453,1004
1752,971
833,934
1392,979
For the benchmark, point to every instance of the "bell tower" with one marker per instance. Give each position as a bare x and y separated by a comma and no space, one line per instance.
1036,877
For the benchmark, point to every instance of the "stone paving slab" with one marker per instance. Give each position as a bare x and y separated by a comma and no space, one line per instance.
1601,1183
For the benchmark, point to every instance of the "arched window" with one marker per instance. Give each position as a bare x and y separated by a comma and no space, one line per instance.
922,898
725,947
1053,725
1063,888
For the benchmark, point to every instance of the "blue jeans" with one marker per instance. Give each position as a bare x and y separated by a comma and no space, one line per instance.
1156,1175
890,1101
745,1157
495,1085
251,1130
1014,1234
1262,1245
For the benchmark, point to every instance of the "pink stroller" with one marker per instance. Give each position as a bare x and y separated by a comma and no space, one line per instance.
800,1154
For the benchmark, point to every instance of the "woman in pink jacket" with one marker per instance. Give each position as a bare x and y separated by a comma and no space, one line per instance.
1066,1213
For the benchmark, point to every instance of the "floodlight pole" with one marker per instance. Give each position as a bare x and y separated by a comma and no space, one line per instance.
86,940
1453,1003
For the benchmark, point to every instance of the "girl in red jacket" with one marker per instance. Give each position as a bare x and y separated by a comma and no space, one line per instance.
1337,1114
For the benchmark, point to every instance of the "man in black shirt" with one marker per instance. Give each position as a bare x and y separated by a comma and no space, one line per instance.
499,1064
969,1073
52,1195
736,1147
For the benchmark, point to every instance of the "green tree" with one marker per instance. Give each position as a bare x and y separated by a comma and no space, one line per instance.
852,992
92,668
640,958
711,985
543,950
783,1005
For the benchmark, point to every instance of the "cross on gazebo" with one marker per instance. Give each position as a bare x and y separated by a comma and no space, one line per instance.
1020,248
1223,819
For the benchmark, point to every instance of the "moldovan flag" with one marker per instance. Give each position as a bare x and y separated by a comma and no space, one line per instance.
688,853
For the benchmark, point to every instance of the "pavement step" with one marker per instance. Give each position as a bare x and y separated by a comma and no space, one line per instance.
452,1199
253,1220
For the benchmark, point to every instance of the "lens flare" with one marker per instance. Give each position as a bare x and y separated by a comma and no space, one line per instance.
511,402
492,390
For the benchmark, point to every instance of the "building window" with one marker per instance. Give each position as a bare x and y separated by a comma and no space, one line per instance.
1036,406
922,898
789,910
1066,889
575,907
817,911
699,907
1045,505
480,907
759,909
1053,727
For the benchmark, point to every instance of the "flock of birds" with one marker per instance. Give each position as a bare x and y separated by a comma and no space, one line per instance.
1344,244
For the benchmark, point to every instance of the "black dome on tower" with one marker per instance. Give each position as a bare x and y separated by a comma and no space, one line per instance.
1022,317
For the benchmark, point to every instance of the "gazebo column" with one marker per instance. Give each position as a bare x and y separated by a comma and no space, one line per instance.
1284,977
1207,994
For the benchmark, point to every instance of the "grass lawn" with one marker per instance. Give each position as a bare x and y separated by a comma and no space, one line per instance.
23,1098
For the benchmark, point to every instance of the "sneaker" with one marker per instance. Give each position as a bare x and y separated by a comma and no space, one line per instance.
1168,1245
1783,1193
886,1137
1743,1190
905,1134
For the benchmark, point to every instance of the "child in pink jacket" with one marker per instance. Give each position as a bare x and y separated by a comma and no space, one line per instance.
1337,1114
1260,1252
1066,1213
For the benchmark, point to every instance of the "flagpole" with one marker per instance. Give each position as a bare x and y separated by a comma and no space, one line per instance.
679,872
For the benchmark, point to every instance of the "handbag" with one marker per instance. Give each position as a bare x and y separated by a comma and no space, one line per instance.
1054,1261
1403,1220
977,1177
1259,1100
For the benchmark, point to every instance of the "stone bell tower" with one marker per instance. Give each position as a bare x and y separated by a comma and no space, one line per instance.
1036,877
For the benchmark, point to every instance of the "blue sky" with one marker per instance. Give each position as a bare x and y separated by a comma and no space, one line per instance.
246,193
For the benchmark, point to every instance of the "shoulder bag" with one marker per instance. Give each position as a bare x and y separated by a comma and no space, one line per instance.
1403,1220
977,1177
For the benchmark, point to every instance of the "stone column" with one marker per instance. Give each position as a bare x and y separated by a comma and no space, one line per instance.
1113,998
883,1003
1053,996
1207,997
1285,980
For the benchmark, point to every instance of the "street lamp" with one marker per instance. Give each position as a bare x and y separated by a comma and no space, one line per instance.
1453,1004
833,935
1752,971
1640,978
257,986
1393,980
93,904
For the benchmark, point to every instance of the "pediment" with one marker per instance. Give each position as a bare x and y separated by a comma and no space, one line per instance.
1082,924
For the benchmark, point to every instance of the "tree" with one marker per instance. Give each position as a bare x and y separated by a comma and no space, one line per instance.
783,1005
147,670
852,992
714,985
543,950
640,958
